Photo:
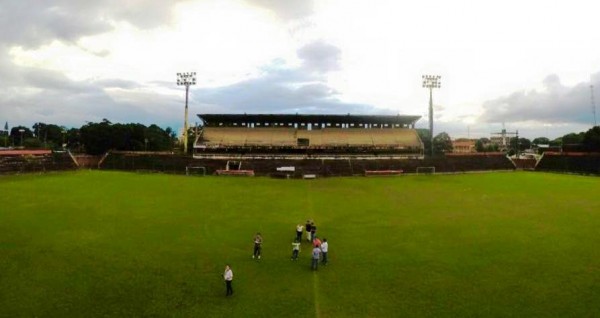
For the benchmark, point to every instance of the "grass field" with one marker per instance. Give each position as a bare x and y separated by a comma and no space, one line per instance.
121,244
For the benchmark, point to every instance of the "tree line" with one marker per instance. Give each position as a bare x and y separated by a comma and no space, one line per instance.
92,138
97,138
588,141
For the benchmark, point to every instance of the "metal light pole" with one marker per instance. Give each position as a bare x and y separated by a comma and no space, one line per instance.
431,82
63,132
186,79
593,104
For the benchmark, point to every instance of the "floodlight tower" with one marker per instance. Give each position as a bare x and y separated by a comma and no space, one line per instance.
186,79
431,82
21,130
593,104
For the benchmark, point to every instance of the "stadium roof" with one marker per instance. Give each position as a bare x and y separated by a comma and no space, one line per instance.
215,119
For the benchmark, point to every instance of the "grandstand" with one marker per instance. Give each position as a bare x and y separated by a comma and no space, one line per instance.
298,146
308,145
308,136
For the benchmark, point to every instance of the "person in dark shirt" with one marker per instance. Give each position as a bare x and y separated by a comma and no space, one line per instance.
307,227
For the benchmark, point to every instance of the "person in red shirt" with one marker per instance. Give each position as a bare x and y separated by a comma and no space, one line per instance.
316,242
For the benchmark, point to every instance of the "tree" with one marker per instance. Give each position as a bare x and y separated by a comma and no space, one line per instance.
442,143
49,135
17,138
481,145
541,141
32,143
556,142
426,139
4,140
98,138
73,140
159,139
524,143
573,142
591,139
572,138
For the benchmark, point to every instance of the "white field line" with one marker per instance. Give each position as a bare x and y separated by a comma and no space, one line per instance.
315,276
316,294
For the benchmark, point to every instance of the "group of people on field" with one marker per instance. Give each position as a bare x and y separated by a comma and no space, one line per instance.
319,250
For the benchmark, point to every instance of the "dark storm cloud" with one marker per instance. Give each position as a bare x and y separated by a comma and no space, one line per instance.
281,89
556,103
30,23
286,9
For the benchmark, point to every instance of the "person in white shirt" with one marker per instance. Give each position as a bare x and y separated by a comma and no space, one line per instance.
299,229
295,249
228,276
324,250
257,246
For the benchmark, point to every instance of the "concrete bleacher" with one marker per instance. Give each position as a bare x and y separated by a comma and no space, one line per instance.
224,136
581,163
27,161
228,137
407,137
169,163
248,137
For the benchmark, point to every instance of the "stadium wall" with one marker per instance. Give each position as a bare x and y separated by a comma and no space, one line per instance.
171,163
570,162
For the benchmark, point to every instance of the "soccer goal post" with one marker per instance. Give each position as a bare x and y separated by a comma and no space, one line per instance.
425,170
195,171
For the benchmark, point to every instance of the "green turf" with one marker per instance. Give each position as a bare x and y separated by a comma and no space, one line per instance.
119,244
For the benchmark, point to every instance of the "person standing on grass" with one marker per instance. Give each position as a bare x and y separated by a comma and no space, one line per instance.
299,229
324,249
307,228
257,246
316,253
316,242
228,276
313,231
295,249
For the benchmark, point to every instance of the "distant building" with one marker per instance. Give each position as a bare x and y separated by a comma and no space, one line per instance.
463,145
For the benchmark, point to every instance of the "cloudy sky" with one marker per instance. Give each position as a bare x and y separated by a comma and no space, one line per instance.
525,63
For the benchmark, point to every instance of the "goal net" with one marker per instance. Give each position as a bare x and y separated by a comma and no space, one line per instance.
195,171
425,170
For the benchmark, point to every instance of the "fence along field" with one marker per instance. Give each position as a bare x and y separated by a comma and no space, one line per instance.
93,243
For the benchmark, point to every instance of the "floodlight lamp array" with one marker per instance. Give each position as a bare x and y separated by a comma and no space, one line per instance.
186,79
432,81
